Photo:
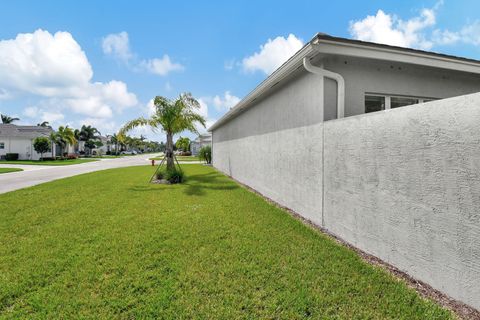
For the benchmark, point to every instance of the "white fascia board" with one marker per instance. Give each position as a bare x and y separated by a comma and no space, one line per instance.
394,55
281,73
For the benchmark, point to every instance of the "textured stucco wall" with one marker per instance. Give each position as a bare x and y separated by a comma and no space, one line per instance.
404,185
276,147
373,76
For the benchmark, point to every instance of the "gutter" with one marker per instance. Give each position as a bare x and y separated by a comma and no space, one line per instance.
292,64
334,76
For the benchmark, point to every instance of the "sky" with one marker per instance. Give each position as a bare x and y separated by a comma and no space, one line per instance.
101,63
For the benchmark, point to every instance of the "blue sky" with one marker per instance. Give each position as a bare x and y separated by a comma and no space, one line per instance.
101,62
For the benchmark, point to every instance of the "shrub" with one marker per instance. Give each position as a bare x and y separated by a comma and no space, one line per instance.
41,145
172,176
205,154
72,156
11,156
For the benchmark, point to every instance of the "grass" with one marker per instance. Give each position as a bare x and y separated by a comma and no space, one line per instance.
205,249
48,162
7,170
180,158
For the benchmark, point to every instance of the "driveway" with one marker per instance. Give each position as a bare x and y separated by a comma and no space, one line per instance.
33,174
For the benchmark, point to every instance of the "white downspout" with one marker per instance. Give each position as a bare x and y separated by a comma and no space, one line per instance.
331,75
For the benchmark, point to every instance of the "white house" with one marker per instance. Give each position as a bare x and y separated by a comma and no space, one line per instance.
379,145
19,139
106,146
201,141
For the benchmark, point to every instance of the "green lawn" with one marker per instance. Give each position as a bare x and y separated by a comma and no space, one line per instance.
206,249
48,162
180,158
7,170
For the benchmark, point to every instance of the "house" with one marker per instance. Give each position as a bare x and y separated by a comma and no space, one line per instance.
19,139
378,145
201,141
104,148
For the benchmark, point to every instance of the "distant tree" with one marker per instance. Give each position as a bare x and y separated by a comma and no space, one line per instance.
205,154
44,124
90,144
7,120
87,133
183,144
65,136
161,147
54,140
41,145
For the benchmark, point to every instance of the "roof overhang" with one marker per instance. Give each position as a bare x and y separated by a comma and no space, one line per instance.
326,45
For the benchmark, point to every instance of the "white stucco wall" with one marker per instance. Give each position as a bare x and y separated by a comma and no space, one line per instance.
22,146
373,76
404,185
276,147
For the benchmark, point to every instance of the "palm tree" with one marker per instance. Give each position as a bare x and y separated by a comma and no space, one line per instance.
114,140
54,141
65,137
44,124
6,119
88,134
173,117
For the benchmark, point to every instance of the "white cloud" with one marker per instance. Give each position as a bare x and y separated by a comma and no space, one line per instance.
416,32
160,66
226,102
203,108
118,46
150,108
55,68
31,112
105,126
43,115
469,34
43,64
52,117
272,54
389,29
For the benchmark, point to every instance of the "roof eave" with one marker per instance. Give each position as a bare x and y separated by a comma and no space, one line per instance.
278,75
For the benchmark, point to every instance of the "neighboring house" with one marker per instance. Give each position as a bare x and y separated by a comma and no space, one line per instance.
19,139
201,141
341,135
106,147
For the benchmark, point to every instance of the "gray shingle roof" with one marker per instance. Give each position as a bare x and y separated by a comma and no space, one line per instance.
29,132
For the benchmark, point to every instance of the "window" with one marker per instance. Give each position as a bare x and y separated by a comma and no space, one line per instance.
2,145
378,102
396,102
374,103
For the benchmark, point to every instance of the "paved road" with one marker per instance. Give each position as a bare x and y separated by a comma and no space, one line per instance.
33,174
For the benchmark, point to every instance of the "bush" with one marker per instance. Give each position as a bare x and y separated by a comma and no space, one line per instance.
205,154
41,145
11,156
186,153
72,156
172,176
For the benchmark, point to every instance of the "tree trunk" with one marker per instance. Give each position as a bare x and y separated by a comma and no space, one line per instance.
169,152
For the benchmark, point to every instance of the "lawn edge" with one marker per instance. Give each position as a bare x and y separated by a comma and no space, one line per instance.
459,309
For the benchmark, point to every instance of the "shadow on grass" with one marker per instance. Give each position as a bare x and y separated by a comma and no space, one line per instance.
195,185
198,184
